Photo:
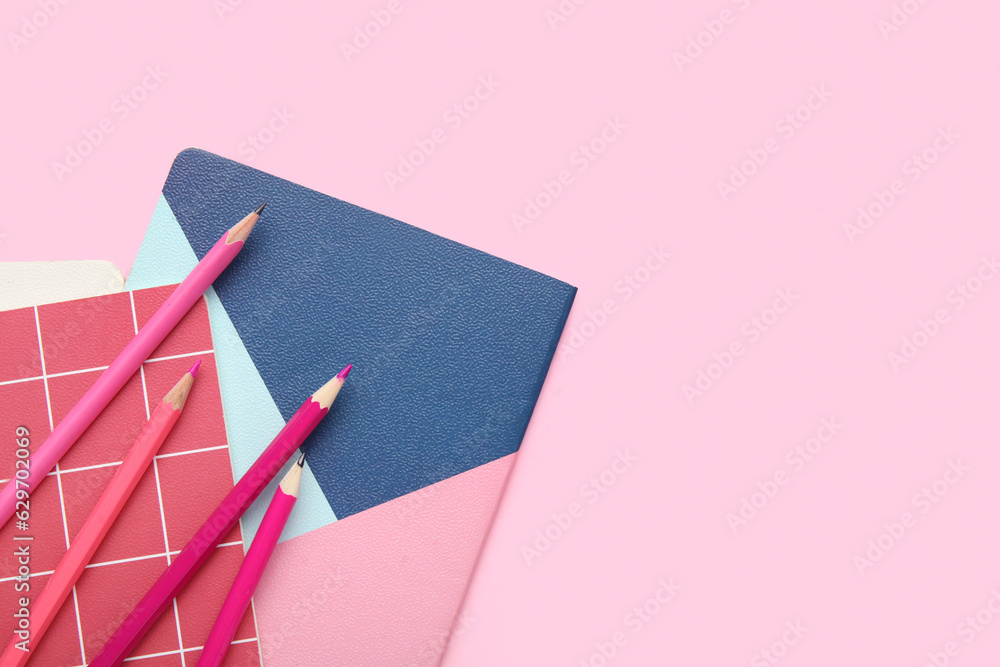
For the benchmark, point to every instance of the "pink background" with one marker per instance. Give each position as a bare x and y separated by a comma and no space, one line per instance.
655,185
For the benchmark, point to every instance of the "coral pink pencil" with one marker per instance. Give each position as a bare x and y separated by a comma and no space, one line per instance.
218,524
110,504
235,606
110,382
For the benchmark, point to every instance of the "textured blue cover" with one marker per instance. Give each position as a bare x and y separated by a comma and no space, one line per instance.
450,345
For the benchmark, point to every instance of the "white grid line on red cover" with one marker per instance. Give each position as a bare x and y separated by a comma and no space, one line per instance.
156,477
44,377
79,625
66,471
101,368
187,650
62,505
119,561
62,500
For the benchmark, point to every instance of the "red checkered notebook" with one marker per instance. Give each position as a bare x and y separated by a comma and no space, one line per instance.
49,356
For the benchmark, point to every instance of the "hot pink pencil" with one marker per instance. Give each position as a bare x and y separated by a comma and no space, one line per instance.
110,382
235,606
218,524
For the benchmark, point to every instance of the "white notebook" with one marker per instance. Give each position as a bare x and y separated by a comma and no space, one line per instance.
24,284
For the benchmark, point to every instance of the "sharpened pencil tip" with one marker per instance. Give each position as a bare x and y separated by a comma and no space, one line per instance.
302,459
292,479
194,369
260,208
342,375
326,394
177,396
241,230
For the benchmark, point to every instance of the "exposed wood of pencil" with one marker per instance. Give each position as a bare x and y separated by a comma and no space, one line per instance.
241,230
293,478
326,394
178,396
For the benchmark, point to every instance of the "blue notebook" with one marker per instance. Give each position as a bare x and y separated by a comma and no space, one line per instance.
450,348
450,345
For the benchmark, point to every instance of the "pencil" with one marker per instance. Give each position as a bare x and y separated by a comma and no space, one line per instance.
238,599
110,504
218,524
128,361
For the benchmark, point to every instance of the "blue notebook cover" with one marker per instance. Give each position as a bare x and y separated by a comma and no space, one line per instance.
450,345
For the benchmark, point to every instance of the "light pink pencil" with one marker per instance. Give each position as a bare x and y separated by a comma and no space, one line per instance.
235,606
71,427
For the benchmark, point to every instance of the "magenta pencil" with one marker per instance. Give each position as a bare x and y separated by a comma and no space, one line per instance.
109,383
218,524
238,599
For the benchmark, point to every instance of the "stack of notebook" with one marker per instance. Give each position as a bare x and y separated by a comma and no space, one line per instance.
53,353
450,347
